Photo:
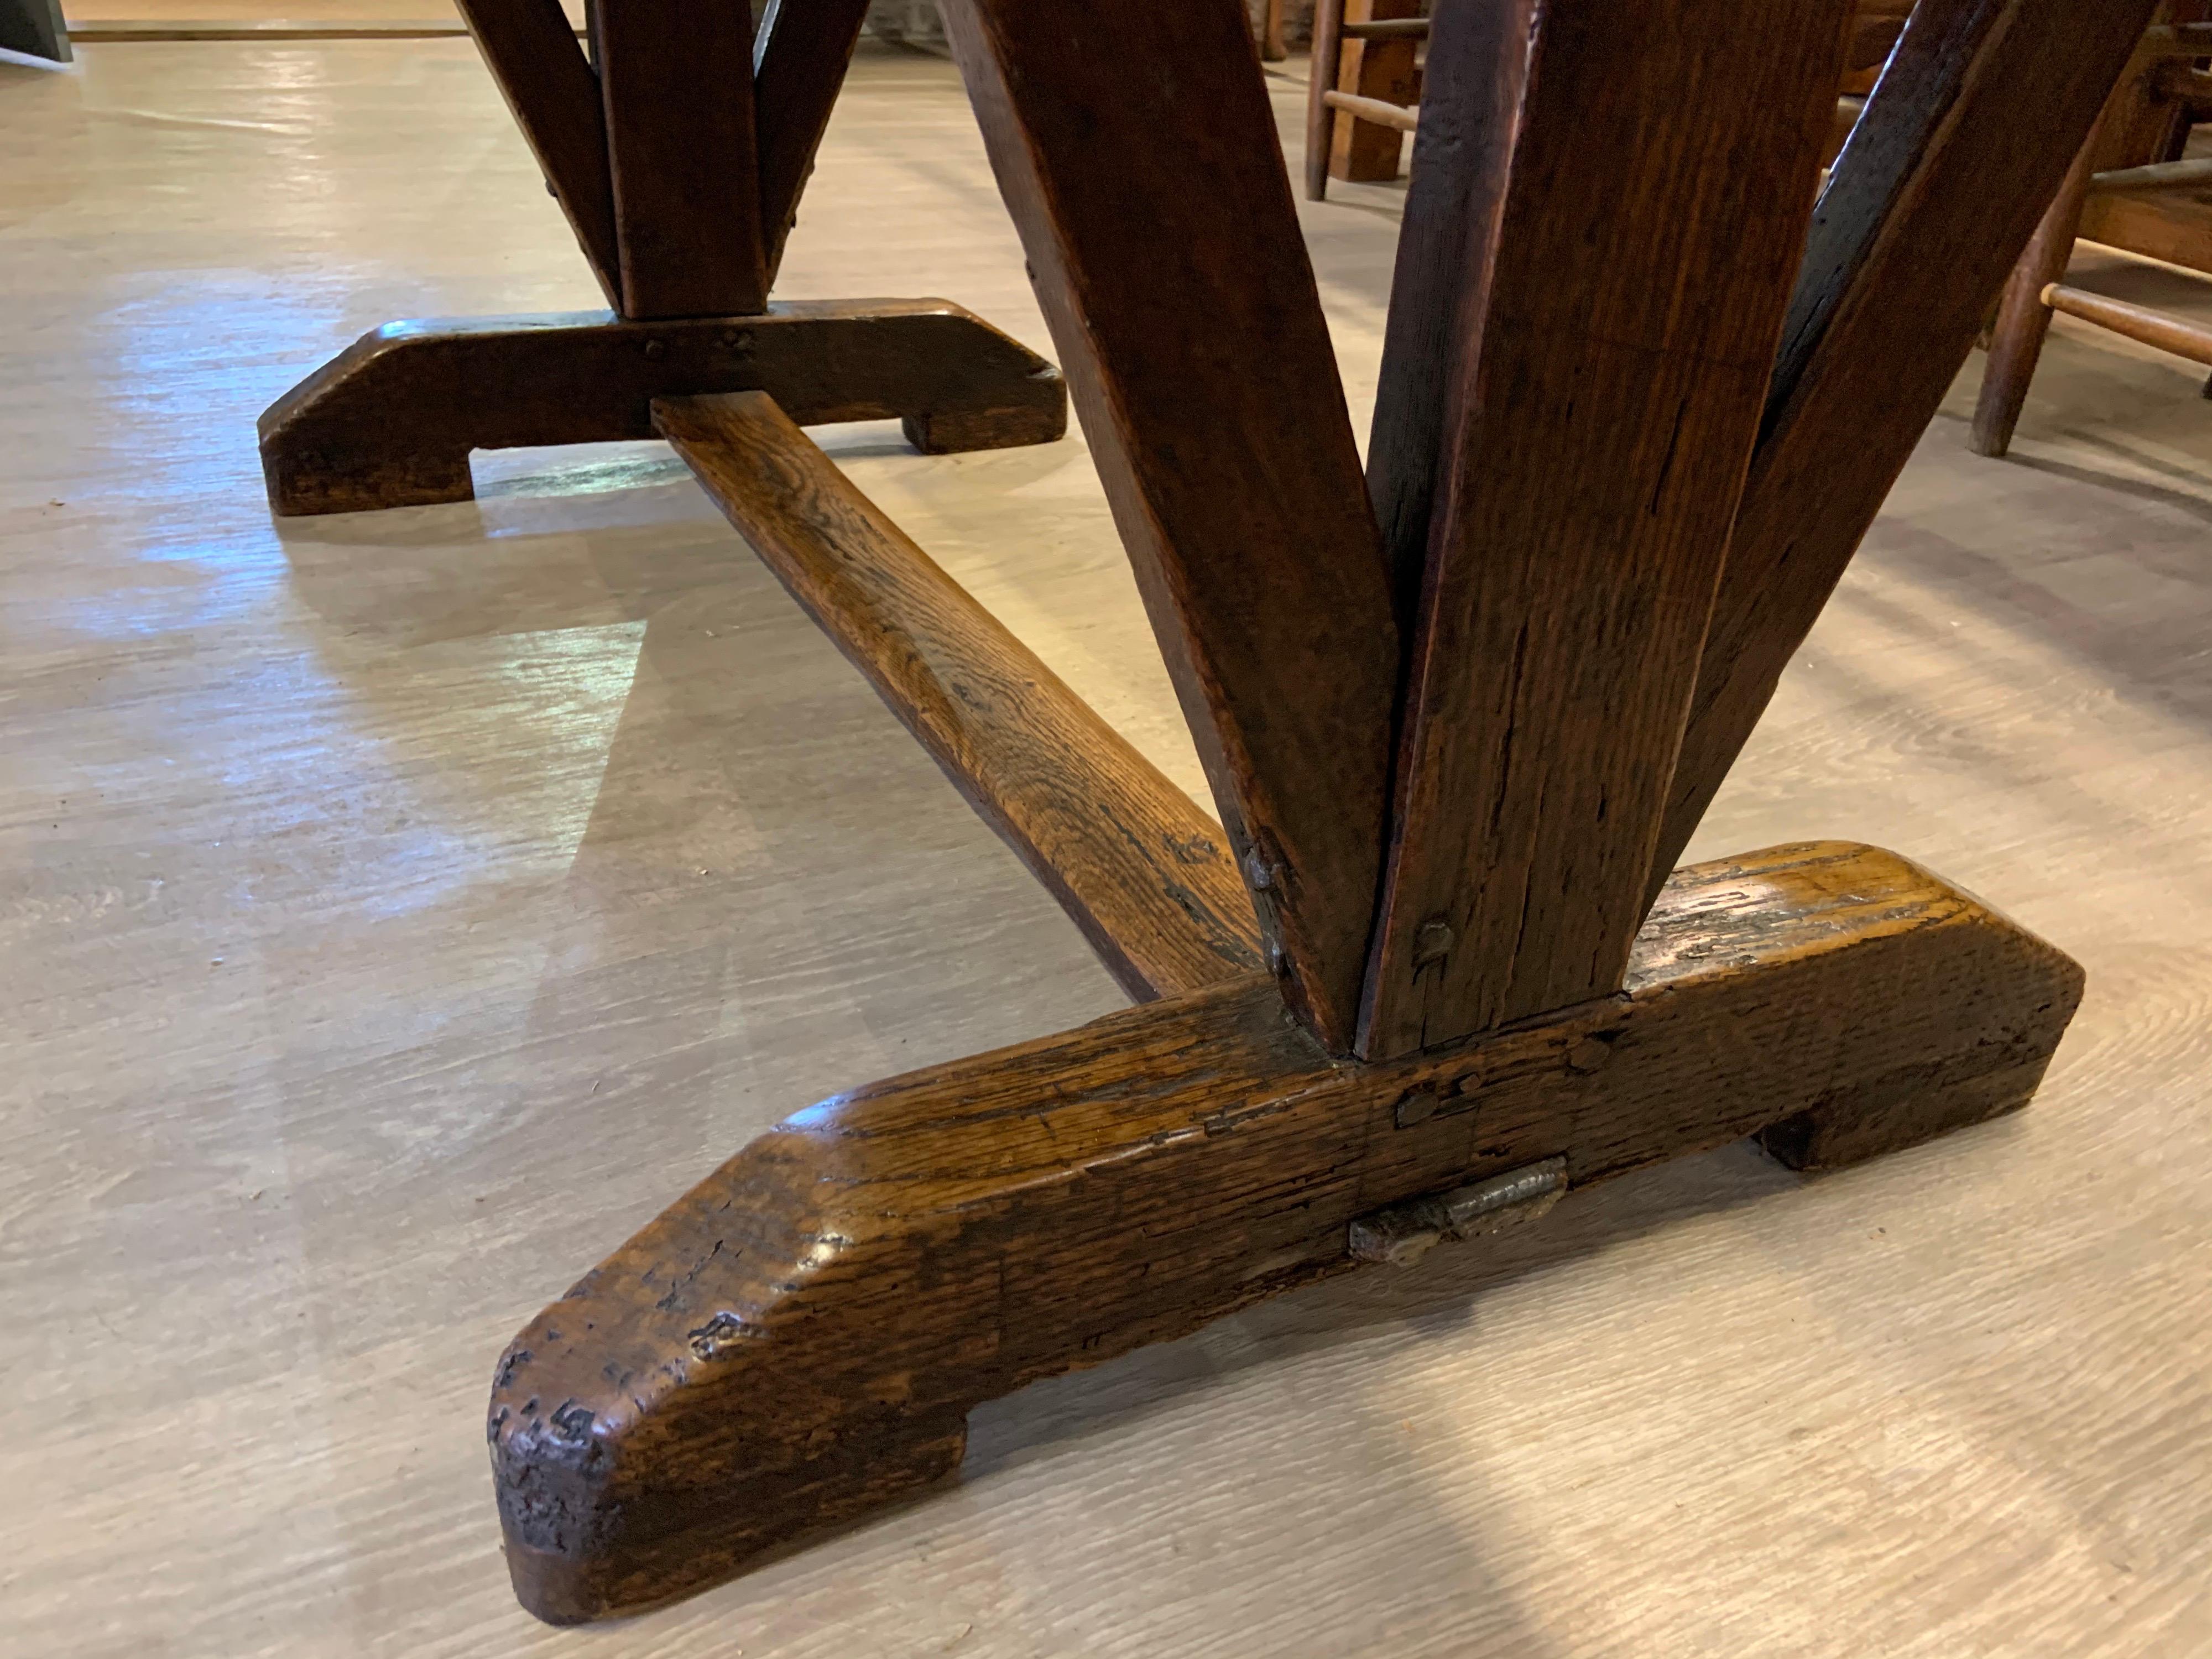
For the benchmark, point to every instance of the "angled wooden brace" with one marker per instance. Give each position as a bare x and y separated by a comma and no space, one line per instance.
679,161
1983,106
1559,469
798,1341
1208,390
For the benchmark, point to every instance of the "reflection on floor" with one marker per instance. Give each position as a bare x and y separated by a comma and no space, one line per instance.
396,910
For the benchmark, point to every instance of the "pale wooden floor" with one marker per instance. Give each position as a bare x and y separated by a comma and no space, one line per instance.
396,910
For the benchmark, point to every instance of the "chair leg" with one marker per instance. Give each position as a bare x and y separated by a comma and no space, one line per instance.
1321,118
2016,339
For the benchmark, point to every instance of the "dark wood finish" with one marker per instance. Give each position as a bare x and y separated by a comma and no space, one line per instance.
2159,329
800,1340
1186,319
35,28
1476,83
804,48
1146,875
542,72
2016,339
1874,33
390,422
1983,106
1596,433
678,79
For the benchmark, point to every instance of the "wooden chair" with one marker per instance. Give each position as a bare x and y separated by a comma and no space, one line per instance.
1460,714
2130,188
1358,116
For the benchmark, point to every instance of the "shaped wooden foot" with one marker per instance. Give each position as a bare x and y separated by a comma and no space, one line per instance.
390,421
798,1340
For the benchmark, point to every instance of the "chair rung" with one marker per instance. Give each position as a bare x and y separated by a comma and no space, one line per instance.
2160,329
1404,116
1386,29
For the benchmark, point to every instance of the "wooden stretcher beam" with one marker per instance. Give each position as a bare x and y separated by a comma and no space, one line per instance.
1146,875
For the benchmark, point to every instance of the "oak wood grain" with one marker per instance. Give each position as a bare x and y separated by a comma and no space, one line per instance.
800,61
800,1340
390,421
554,95
1185,317
1146,874
677,80
1602,405
1477,81
1983,105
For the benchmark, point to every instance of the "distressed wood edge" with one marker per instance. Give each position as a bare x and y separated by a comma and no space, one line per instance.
1145,874
643,1428
390,420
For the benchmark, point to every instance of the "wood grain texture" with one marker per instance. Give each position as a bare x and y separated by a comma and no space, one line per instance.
1983,105
800,62
391,421
1145,873
800,1340
677,81
1477,82
1600,412
554,95
553,854
1208,391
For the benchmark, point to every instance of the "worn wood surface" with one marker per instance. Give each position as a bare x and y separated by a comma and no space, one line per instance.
534,58
391,421
1208,391
1983,106
1145,874
1593,435
804,47
800,1340
677,80
551,854
1478,74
